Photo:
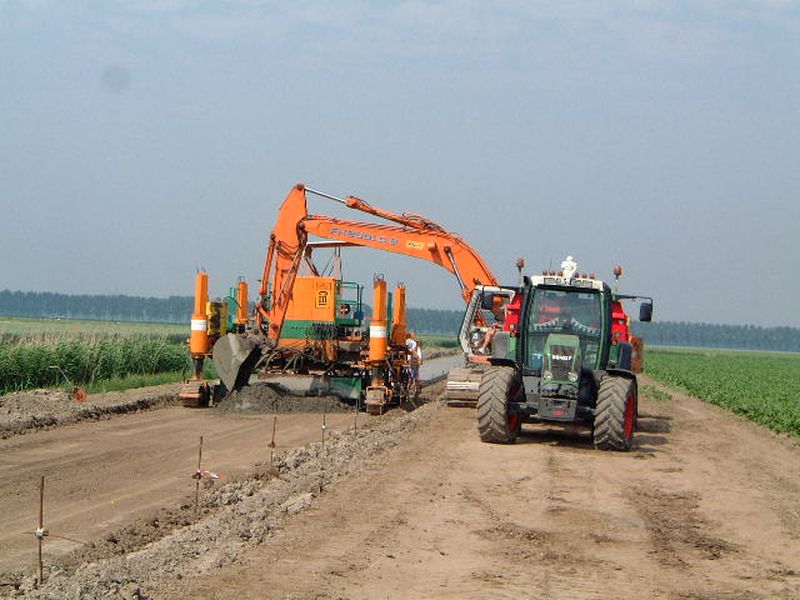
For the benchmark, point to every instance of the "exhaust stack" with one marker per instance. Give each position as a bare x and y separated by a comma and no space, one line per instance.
243,303
399,316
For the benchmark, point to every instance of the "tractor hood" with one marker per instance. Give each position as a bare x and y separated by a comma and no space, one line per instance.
561,364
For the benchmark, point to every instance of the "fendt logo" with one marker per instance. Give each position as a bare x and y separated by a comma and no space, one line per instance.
562,357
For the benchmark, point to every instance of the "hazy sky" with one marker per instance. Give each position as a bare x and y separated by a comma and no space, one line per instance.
140,139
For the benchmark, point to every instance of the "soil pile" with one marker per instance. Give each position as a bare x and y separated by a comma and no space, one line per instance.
266,398
22,412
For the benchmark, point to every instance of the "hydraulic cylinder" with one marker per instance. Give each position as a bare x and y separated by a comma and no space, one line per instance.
377,326
198,341
242,301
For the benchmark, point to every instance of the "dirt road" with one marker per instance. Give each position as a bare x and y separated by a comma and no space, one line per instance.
705,506
100,475
412,505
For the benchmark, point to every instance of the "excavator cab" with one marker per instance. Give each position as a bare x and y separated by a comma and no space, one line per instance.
492,315
489,308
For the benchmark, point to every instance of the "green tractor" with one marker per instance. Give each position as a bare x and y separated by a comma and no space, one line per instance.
561,352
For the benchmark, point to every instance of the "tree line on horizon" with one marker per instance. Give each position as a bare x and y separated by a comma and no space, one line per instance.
178,309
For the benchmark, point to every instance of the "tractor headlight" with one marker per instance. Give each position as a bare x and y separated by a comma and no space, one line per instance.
547,375
572,376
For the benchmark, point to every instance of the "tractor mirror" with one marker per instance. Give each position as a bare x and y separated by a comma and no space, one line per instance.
646,312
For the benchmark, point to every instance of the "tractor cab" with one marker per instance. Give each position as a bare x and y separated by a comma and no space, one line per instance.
563,337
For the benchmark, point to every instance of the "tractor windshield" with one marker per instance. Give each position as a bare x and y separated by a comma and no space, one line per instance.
573,312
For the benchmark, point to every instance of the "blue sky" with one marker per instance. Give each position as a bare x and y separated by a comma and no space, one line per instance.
141,139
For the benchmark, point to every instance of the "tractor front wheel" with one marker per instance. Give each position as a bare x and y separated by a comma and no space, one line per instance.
615,415
497,424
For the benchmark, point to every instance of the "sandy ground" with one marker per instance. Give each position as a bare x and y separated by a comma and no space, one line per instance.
101,475
706,506
412,505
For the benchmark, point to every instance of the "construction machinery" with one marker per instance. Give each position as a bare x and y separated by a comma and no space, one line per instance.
323,350
307,325
562,353
211,319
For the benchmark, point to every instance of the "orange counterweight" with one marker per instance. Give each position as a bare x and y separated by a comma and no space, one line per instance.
242,301
377,326
198,342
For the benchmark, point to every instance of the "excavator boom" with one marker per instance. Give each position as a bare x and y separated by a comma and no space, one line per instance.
433,245
413,236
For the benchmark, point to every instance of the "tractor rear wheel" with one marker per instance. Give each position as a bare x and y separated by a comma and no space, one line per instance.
615,416
497,424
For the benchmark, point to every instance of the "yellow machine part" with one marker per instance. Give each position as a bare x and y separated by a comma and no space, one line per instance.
217,312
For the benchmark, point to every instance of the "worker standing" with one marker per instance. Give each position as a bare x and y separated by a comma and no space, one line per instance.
415,358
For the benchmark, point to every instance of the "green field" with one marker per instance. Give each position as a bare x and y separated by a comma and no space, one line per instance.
19,327
440,342
762,386
102,355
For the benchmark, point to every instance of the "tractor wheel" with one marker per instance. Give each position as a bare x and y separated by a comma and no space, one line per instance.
615,416
496,424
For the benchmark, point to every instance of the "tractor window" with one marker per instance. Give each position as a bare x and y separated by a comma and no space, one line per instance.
565,312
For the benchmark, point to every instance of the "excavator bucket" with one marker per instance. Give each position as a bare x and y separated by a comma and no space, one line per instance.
235,357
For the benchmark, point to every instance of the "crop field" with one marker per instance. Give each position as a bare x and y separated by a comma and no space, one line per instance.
763,386
50,353
18,327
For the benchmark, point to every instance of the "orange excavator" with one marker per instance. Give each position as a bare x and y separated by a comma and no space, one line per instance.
305,323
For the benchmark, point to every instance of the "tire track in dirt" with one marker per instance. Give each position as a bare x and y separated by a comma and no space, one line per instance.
556,529
676,530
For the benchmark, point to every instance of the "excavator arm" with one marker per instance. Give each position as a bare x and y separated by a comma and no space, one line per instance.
286,250
433,245
413,236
